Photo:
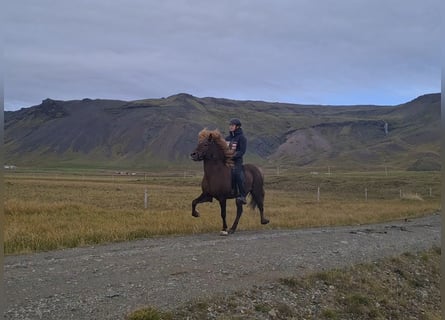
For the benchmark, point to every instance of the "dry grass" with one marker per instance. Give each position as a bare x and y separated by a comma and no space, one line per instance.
392,288
48,212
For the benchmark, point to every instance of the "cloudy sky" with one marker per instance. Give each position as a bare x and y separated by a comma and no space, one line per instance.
381,52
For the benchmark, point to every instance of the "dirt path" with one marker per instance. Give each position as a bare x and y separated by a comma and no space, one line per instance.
107,282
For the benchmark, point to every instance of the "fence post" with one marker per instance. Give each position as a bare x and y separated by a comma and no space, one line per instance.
318,194
366,194
145,199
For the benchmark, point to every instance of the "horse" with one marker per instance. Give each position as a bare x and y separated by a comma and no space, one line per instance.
212,149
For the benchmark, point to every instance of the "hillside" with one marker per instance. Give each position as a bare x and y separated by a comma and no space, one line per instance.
162,132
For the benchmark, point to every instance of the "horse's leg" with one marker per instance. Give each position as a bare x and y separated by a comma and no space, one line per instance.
264,220
239,212
258,200
222,204
202,198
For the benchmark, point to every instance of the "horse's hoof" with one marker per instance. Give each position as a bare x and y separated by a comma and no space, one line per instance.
195,214
223,233
231,231
265,221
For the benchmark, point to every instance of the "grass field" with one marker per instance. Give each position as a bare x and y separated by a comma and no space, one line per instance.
53,210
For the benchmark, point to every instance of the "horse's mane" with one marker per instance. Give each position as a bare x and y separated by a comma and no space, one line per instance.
220,142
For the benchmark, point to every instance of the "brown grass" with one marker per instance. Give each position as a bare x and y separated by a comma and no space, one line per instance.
48,212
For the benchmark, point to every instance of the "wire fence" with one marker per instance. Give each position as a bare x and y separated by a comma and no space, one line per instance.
322,184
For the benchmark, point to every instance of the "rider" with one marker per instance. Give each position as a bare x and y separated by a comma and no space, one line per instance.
237,143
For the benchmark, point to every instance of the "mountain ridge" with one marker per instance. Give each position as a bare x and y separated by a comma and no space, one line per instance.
162,132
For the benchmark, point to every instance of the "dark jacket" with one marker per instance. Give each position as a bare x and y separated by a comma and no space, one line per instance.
238,143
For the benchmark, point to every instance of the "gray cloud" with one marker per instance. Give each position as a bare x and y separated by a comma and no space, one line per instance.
342,52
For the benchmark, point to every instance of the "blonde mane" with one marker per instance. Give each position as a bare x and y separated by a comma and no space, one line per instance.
220,141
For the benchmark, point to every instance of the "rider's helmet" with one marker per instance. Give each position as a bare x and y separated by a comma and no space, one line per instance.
235,121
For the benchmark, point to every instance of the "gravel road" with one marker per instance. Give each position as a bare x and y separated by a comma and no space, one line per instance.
109,281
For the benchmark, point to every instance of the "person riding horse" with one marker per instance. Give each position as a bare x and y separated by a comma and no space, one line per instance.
217,158
238,144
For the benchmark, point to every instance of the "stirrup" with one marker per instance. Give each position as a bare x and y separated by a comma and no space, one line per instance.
241,199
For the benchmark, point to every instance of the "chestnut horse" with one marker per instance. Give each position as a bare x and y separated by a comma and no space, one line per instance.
212,149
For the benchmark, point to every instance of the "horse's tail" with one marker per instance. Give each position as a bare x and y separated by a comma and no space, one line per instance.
257,191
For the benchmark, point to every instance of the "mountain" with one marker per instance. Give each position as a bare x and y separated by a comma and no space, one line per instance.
160,132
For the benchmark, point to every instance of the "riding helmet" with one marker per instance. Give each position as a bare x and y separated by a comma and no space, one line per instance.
235,121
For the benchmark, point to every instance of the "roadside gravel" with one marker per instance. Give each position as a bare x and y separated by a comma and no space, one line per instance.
109,281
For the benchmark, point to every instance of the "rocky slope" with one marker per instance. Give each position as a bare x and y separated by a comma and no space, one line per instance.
161,132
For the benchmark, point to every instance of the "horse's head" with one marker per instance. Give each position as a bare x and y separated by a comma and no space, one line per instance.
211,146
204,149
